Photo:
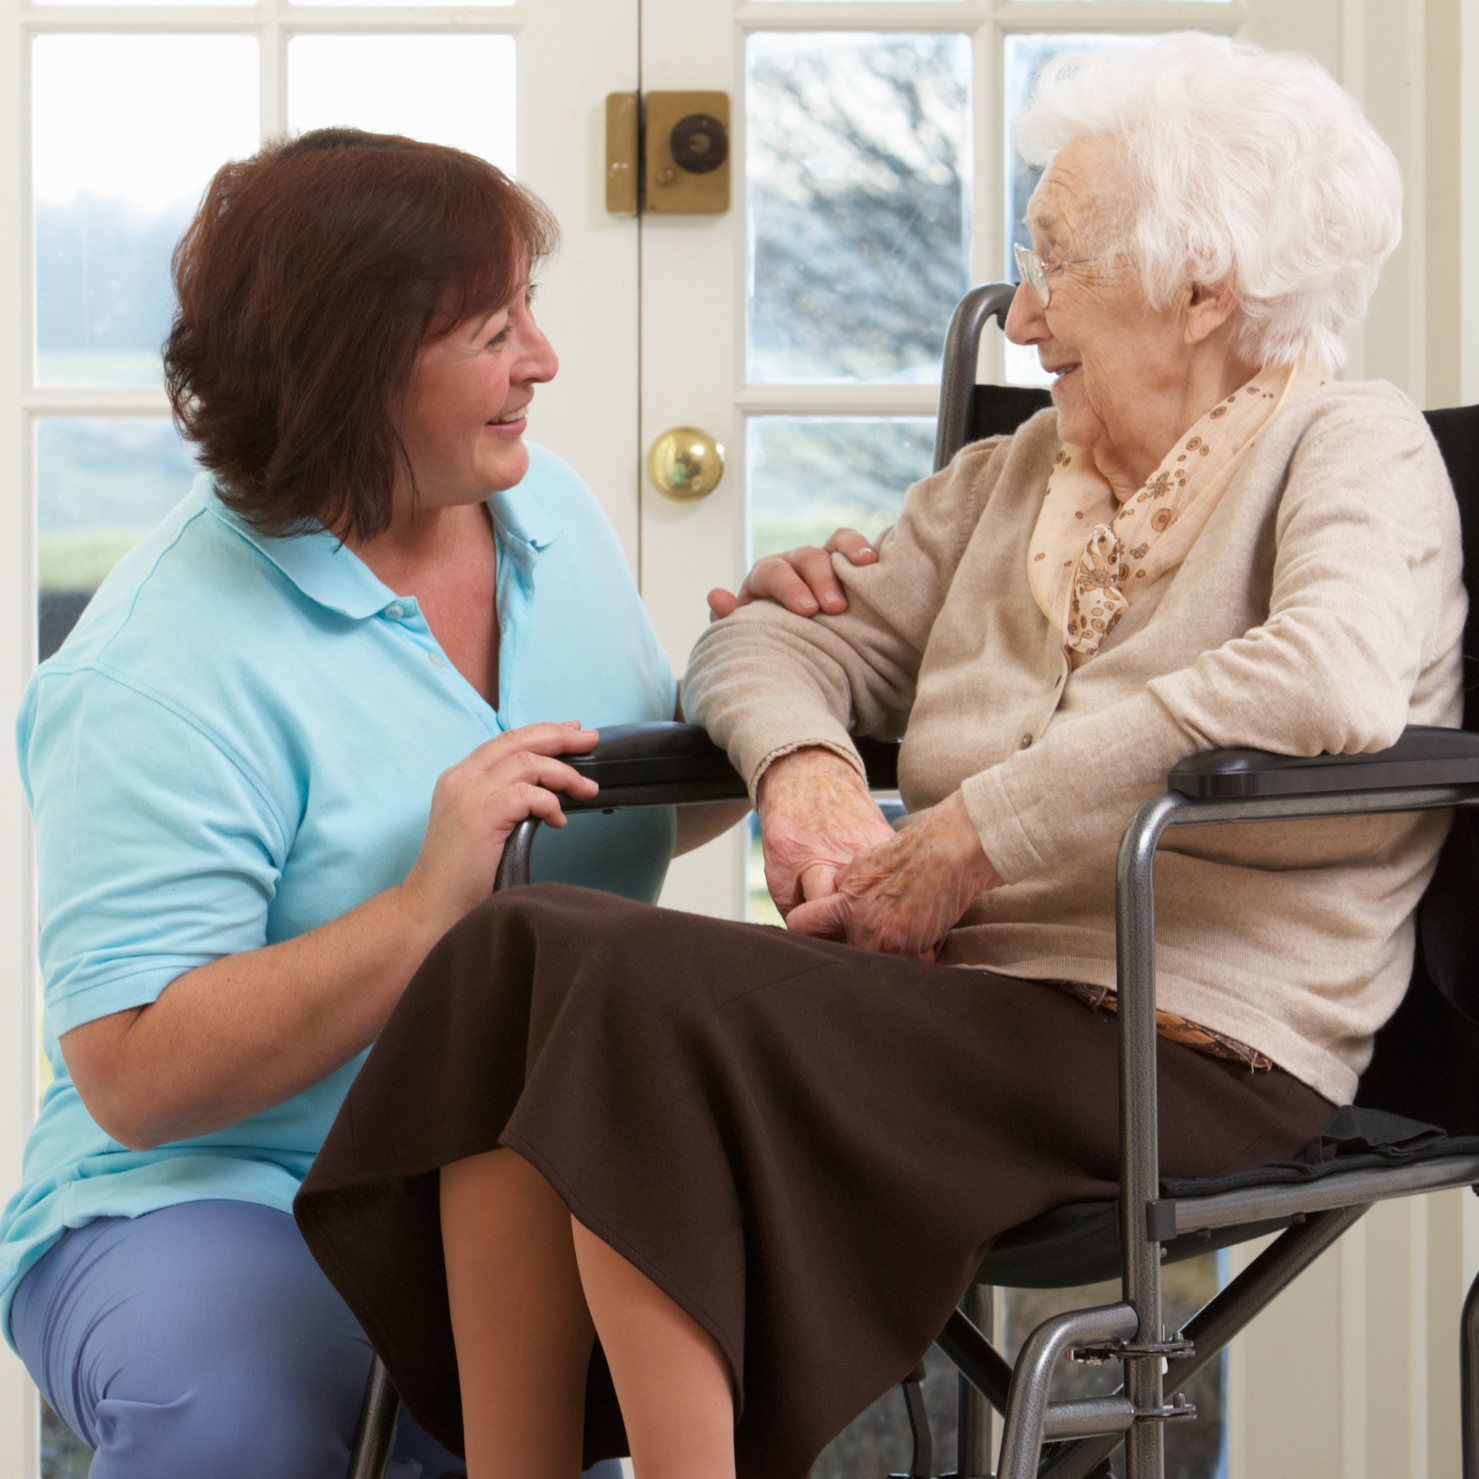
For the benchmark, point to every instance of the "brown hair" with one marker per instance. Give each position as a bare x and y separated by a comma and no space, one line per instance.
312,274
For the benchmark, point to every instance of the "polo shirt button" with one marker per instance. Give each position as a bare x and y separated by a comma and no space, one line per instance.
1026,740
437,660
394,612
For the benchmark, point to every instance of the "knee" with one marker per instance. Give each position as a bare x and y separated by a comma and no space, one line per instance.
231,1424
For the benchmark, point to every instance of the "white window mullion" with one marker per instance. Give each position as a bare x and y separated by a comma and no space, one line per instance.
19,1413
274,72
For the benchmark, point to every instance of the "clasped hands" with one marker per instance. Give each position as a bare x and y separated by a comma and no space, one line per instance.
836,869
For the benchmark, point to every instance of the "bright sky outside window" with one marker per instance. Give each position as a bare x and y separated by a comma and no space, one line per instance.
112,200
457,90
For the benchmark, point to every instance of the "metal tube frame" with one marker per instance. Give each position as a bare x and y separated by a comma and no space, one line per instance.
958,371
517,856
922,1458
979,1362
1135,983
984,1370
1233,1308
1027,1403
374,1434
1135,967
973,1421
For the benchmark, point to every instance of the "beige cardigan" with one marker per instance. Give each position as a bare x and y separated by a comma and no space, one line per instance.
1320,610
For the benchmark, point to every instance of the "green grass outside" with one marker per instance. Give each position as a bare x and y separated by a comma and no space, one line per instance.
812,525
78,559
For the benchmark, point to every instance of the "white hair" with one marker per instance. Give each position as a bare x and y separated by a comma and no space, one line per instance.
1235,163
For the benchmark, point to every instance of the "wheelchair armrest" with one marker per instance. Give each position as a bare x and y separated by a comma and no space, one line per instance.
1423,756
668,764
663,764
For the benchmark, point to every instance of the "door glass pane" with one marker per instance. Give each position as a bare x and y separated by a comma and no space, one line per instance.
101,484
128,131
456,90
810,474
859,163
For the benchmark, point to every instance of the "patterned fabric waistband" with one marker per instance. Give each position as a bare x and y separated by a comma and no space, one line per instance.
1175,1029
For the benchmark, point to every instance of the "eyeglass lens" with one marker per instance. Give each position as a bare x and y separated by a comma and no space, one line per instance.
1029,265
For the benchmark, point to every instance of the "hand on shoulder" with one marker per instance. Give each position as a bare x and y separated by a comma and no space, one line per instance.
802,580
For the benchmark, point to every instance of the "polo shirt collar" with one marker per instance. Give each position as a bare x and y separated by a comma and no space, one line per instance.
524,522
315,561
334,576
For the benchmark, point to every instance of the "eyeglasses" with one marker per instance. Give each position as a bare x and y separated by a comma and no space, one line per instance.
1035,271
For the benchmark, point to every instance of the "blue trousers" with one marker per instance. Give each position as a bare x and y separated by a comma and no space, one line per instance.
201,1340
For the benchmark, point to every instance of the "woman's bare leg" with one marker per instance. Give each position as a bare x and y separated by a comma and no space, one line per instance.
671,1381
519,1319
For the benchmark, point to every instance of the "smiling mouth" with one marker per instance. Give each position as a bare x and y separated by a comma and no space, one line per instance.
1061,372
509,416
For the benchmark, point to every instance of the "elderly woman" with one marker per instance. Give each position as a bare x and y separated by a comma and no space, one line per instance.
760,1168
276,761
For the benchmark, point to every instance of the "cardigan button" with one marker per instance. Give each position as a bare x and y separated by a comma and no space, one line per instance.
1026,740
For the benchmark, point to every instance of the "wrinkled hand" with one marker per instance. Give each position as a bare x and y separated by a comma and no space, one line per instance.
816,816
480,800
802,579
904,896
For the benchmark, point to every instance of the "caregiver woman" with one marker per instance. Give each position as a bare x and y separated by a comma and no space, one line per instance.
372,602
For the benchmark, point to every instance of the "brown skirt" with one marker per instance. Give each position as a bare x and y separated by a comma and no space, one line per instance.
808,1147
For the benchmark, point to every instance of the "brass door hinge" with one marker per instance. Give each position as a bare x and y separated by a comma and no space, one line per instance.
667,153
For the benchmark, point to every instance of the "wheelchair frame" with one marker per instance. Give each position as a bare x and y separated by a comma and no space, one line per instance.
668,764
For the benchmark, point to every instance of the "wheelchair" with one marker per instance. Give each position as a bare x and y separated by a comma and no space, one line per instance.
1414,1128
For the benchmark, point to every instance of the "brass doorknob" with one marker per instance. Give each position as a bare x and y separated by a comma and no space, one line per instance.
685,463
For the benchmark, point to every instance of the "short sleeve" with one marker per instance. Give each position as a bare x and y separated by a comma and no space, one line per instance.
158,850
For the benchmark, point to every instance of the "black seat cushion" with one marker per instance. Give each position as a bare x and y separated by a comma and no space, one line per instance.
1080,1243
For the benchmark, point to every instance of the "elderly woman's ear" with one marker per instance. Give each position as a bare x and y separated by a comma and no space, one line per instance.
1207,307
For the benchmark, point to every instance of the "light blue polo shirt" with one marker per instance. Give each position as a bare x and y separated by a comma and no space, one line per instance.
238,743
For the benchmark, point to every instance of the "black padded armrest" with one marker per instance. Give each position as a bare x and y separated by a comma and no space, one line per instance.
668,764
663,764
1421,757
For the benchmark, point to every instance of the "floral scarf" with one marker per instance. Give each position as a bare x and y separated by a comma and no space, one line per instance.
1091,556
